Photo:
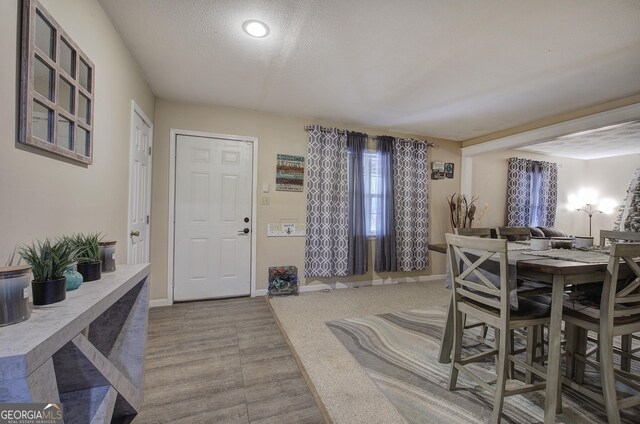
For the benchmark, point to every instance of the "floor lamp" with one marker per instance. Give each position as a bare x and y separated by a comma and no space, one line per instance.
589,210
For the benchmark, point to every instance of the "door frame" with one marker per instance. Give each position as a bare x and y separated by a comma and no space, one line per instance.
173,139
137,110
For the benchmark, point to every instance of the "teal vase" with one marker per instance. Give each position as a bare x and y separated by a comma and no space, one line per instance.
74,278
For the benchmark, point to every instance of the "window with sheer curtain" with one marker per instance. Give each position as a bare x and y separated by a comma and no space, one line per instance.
532,196
373,197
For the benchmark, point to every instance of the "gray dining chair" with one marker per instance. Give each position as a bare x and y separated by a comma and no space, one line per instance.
526,287
618,314
514,233
474,232
626,347
617,235
476,297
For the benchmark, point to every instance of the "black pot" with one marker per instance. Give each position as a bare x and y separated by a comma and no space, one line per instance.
48,292
90,271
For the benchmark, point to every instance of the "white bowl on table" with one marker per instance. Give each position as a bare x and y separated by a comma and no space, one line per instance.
540,243
583,242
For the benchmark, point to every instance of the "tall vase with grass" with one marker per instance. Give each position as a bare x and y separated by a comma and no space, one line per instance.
87,247
48,262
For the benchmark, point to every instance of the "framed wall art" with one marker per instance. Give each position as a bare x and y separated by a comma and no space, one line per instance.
290,173
448,170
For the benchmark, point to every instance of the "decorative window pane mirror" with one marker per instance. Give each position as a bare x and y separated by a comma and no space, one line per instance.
57,87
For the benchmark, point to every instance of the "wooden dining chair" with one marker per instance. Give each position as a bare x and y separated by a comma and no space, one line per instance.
514,233
626,348
526,287
474,232
484,233
475,296
618,314
617,235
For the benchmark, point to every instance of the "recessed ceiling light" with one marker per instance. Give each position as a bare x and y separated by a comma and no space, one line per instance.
255,28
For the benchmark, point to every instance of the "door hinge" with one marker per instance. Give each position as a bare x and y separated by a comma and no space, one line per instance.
147,219
149,151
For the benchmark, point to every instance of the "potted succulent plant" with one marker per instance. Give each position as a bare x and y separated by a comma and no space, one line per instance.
48,262
87,247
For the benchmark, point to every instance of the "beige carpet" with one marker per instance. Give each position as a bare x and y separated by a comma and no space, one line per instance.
346,391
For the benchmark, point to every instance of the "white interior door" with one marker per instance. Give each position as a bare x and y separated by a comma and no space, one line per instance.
139,188
213,194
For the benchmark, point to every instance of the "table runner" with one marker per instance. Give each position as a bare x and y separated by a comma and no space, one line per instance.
518,245
586,256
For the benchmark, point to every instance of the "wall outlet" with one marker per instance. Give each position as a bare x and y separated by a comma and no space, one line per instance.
265,200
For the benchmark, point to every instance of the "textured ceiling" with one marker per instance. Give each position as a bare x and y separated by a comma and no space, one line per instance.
615,140
454,69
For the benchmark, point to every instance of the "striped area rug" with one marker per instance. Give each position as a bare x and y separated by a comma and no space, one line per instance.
399,353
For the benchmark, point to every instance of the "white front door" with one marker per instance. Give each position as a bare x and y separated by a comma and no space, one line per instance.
139,188
213,219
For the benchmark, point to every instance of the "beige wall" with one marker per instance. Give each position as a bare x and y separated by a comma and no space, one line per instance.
41,194
276,134
609,177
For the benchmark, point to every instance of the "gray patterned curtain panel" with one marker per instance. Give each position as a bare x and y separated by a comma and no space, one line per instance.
327,240
411,193
532,193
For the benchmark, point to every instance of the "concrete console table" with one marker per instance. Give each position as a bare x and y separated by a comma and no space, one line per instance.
86,352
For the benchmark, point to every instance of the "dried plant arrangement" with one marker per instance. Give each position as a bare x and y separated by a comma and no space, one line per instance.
462,211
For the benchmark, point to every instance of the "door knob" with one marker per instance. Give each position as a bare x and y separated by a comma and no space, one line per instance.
134,234
245,231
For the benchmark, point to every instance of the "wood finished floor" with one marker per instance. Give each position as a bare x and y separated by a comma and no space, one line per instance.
222,361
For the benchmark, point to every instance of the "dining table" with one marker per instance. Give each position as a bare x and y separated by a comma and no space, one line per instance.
559,268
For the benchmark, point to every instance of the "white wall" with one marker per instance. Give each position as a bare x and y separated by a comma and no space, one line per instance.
609,177
41,194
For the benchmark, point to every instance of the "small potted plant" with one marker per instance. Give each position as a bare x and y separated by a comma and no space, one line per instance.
48,262
88,254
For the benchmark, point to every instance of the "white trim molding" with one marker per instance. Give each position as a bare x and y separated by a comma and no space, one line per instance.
137,110
156,303
173,133
602,119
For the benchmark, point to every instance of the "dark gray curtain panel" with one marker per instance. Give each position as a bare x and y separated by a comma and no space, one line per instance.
358,242
327,240
385,260
411,193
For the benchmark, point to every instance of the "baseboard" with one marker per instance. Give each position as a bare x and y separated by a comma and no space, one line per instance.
436,277
154,303
350,285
